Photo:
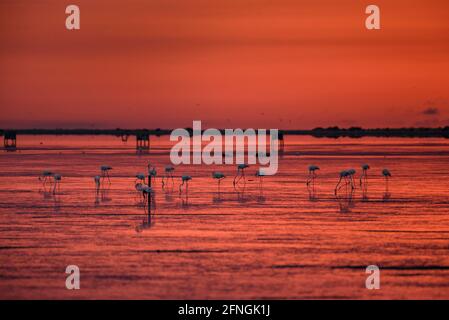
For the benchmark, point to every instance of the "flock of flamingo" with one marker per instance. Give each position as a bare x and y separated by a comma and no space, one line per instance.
144,183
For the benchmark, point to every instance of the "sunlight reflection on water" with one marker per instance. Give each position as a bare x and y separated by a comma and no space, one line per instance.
275,239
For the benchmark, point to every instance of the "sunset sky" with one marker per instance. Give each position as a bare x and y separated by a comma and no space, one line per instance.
230,63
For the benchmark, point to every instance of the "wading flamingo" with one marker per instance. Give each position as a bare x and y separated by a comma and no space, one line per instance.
45,177
139,183
387,174
140,188
147,193
168,175
152,173
57,178
343,177
240,173
218,176
312,174
364,176
140,177
185,181
351,173
105,172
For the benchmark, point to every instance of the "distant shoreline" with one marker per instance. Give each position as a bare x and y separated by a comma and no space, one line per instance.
331,132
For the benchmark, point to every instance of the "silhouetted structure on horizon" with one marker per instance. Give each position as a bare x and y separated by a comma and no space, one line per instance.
10,140
330,132
143,140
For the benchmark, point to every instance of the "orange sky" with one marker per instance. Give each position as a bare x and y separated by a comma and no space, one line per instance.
230,63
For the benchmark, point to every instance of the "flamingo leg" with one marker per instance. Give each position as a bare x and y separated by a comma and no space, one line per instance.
337,186
309,179
237,175
180,187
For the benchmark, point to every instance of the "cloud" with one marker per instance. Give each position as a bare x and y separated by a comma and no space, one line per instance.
431,111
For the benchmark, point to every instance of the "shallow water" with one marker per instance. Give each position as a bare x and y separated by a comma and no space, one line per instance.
278,241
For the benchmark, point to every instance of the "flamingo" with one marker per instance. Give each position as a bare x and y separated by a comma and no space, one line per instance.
139,186
240,173
139,183
143,188
218,176
387,174
140,177
185,180
151,174
351,173
147,189
343,176
105,172
45,177
147,192
168,175
312,174
57,178
364,176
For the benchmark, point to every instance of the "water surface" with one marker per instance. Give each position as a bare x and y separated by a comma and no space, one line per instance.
278,241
